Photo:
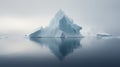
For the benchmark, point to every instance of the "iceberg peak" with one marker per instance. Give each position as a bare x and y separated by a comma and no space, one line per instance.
60,13
60,26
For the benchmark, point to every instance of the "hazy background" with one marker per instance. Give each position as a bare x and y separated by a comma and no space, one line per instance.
93,15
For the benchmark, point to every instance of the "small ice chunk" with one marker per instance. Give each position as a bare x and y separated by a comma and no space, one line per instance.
103,35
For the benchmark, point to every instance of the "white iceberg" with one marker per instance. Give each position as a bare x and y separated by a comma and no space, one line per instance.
60,26
106,36
103,35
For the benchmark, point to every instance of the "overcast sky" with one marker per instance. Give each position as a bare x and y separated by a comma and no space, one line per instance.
92,15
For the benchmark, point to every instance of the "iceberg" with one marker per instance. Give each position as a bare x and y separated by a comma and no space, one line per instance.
104,35
60,26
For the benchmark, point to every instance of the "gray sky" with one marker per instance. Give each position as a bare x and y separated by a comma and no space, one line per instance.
93,15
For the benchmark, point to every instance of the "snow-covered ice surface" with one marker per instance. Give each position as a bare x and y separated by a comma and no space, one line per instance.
60,26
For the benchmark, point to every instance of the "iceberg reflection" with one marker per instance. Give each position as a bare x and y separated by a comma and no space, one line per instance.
60,47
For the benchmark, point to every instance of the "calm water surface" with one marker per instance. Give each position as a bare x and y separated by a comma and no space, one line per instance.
19,51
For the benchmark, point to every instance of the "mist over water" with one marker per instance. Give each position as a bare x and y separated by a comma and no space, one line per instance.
56,52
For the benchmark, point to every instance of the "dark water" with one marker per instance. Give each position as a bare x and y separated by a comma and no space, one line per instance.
59,52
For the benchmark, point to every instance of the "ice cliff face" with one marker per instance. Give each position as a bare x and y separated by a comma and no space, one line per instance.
60,26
